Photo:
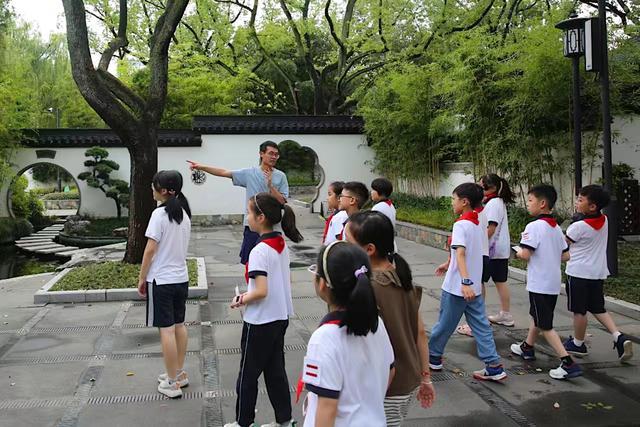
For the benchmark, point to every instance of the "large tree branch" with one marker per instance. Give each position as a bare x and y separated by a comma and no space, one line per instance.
118,42
159,57
122,92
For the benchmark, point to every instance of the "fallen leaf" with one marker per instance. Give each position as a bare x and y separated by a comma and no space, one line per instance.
130,374
608,408
556,405
538,370
12,384
520,373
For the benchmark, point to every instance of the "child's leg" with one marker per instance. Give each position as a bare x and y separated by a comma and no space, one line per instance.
275,375
580,322
505,296
607,321
482,332
251,365
451,310
169,350
181,343
554,341
533,333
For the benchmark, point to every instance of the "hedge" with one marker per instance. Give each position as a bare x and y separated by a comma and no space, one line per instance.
12,229
69,195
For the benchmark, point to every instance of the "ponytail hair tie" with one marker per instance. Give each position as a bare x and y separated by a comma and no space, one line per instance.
362,270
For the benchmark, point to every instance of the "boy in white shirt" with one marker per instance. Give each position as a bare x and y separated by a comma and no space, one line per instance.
462,287
544,247
586,270
381,189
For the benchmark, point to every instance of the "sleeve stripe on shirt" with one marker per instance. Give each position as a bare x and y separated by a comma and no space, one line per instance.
457,246
531,248
565,250
494,223
255,273
569,237
323,392
393,365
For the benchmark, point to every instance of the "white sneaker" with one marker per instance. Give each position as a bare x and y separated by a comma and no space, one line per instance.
502,318
182,380
235,424
170,390
290,423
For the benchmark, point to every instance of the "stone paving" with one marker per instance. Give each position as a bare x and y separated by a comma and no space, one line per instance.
96,364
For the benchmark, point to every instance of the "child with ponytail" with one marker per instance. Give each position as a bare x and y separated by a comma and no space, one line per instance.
497,195
349,362
164,280
398,302
268,306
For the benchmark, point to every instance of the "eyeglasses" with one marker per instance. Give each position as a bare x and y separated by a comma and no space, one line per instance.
346,195
273,154
313,269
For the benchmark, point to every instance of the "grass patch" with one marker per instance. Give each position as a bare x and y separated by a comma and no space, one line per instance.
440,219
111,275
103,227
626,286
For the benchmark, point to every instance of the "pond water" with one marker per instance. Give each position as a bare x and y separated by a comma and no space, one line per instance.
14,263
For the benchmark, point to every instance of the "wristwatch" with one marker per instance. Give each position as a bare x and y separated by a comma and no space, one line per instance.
467,282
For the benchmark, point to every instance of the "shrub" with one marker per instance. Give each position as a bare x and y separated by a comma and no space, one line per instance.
70,195
12,229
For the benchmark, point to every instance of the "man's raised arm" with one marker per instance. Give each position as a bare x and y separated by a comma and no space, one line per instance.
225,173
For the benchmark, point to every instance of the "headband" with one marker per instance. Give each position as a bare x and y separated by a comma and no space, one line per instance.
255,199
324,261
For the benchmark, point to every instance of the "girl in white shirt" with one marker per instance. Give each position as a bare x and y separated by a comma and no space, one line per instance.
335,222
266,316
164,279
349,362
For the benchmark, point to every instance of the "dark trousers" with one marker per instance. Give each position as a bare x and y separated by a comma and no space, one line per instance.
263,352
249,240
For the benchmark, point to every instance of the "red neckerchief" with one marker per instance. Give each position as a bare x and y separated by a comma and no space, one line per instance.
469,216
549,219
333,318
479,209
489,197
596,221
326,227
389,202
273,240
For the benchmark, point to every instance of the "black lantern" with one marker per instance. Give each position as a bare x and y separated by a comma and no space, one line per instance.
574,40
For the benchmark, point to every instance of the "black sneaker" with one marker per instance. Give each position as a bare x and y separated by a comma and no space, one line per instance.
624,346
572,348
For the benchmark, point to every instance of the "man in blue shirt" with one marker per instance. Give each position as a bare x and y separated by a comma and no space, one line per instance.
264,178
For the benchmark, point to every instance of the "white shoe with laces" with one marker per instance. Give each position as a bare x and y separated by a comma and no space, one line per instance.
502,318
182,379
290,423
171,390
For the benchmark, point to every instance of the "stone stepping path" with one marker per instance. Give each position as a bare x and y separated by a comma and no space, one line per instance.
43,243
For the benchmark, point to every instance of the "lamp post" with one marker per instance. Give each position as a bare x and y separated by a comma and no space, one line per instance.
612,210
574,48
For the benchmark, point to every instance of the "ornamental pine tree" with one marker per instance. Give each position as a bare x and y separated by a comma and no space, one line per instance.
100,177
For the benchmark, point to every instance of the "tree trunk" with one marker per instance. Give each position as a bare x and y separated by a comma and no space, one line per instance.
144,164
118,208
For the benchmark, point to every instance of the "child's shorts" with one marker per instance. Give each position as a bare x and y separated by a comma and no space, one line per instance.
166,304
498,270
541,307
485,269
585,295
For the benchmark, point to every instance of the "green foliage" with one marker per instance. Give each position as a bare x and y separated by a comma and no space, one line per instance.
12,229
111,275
625,286
48,172
26,204
100,177
69,195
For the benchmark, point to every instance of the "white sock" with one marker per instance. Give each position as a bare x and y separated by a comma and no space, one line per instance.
616,334
578,342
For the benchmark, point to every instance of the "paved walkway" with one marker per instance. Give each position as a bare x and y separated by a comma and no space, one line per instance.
95,364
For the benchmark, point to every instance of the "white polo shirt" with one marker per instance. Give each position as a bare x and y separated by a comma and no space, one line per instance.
353,369
500,242
386,207
270,258
544,237
169,265
336,226
467,233
588,248
484,225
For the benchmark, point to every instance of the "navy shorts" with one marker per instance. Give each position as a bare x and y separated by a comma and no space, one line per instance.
486,274
166,304
541,309
249,240
585,295
498,271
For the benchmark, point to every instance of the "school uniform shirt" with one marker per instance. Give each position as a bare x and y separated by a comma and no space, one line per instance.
254,181
467,233
387,208
500,242
336,227
353,369
588,248
270,258
169,265
544,237
484,225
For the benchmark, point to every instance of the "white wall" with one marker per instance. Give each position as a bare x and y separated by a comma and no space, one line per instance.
342,157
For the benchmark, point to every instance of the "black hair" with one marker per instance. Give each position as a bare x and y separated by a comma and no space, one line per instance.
359,190
337,186
267,144
501,185
354,294
383,186
171,181
546,192
372,227
470,191
272,209
596,194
